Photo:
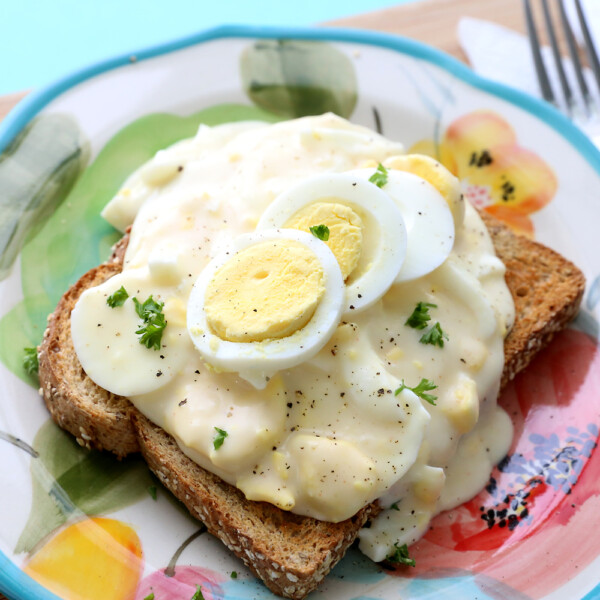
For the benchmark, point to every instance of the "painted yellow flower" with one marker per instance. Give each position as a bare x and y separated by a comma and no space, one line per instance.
498,175
93,559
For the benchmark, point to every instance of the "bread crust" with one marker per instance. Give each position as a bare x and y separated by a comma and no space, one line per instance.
97,418
290,553
547,290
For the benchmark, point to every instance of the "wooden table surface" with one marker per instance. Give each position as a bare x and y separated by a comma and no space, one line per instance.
431,21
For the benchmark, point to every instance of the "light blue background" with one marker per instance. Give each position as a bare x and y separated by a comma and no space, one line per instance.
41,40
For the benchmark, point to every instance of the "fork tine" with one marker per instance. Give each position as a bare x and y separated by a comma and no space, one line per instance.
566,88
583,86
540,68
589,43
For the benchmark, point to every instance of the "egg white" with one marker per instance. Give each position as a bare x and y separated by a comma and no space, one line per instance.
428,219
256,362
367,286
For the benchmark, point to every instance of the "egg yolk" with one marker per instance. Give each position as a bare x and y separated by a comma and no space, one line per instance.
345,230
267,291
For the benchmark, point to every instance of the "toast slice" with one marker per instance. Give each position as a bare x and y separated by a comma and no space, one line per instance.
546,288
97,418
290,553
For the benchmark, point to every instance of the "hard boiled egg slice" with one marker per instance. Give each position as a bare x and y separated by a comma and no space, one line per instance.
437,175
106,342
269,302
367,234
428,218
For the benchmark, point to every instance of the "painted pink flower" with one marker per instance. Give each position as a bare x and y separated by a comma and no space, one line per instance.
182,585
530,527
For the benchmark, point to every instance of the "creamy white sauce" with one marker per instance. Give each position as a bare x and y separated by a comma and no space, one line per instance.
327,436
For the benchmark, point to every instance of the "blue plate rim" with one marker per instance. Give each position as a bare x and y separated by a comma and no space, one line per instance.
13,581
33,103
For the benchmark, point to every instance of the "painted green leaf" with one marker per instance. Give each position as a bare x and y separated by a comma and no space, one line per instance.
17,332
69,480
295,78
36,172
75,238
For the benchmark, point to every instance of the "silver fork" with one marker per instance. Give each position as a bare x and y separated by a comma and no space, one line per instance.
584,113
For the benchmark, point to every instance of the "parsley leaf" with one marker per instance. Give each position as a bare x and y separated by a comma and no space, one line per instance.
424,385
219,438
395,506
198,595
419,319
400,555
30,360
233,574
118,298
420,316
380,177
154,322
150,596
152,492
148,308
320,231
151,333
434,336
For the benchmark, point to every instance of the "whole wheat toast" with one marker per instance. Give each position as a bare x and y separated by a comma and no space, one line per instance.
290,553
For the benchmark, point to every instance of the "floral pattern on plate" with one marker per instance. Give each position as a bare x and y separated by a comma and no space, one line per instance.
543,496
499,175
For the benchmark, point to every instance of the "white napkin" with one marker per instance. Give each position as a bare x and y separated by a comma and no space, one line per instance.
504,55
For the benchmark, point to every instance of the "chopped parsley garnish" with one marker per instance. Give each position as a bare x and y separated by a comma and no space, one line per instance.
380,177
198,595
400,555
148,308
152,492
150,596
30,360
151,333
425,385
118,298
320,231
434,336
420,316
154,322
395,506
219,438
233,574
